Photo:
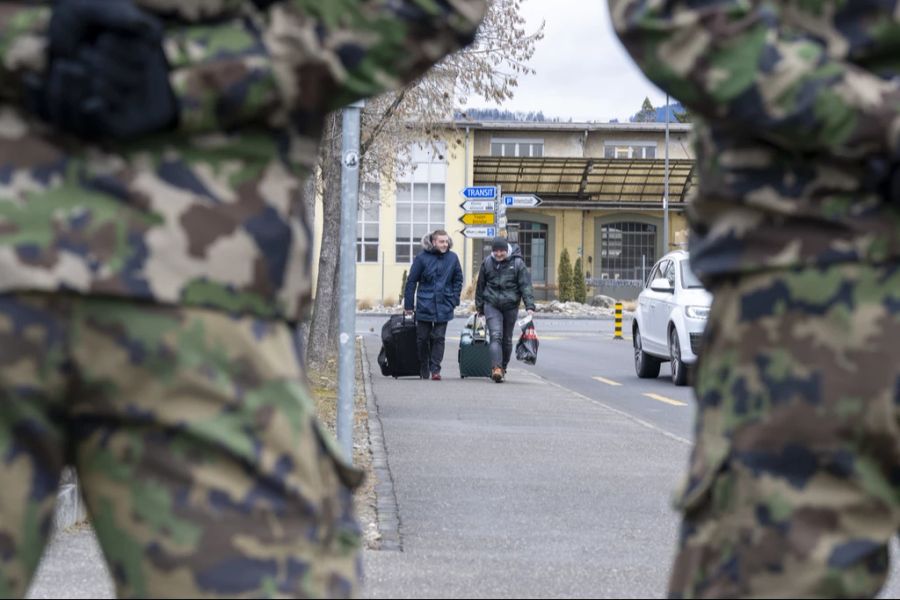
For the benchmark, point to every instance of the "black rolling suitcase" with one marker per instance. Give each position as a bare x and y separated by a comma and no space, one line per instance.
474,350
399,356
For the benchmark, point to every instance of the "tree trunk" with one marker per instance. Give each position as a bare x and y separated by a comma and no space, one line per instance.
327,295
334,326
301,335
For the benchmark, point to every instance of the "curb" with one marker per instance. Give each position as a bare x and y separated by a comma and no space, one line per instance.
386,507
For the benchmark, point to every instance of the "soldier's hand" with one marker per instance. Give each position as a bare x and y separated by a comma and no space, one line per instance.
108,77
130,91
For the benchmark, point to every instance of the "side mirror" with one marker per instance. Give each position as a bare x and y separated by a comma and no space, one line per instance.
661,285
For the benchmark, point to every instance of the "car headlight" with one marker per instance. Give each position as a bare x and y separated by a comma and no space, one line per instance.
697,312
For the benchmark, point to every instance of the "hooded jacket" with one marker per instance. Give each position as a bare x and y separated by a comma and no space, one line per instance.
439,278
502,284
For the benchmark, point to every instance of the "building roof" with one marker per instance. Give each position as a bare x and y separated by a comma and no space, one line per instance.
588,182
548,126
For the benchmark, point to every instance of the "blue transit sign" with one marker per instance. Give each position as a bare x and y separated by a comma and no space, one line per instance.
480,192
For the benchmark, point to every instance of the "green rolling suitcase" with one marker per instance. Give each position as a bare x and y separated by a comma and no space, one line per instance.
474,349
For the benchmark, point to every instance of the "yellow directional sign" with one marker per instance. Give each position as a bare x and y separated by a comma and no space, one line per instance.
477,219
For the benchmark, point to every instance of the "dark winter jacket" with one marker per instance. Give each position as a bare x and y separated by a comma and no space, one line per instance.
503,283
439,278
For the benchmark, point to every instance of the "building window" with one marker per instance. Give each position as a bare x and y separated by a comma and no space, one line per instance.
629,150
421,197
627,250
516,147
367,223
420,210
533,243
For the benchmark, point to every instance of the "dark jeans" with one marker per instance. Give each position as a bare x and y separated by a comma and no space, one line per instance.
501,324
430,340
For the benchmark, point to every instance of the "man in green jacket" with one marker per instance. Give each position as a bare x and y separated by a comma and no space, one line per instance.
794,481
503,283
153,258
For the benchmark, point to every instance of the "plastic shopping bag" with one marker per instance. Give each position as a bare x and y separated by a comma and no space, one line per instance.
527,348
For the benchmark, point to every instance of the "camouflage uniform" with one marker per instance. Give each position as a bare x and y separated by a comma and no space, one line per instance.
147,290
794,483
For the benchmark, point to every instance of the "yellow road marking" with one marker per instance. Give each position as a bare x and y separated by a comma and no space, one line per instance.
666,400
606,381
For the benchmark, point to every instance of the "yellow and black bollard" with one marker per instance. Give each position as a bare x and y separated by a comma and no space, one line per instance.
618,335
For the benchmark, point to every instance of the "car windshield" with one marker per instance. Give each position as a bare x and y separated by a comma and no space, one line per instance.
688,279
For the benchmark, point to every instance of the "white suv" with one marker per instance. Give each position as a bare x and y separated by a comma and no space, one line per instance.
668,323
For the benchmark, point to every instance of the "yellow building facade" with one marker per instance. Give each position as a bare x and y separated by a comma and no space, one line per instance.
601,187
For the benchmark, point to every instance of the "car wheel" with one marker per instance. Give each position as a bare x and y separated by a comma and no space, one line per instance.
646,366
679,369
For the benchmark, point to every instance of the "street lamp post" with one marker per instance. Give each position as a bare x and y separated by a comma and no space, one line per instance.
666,186
347,307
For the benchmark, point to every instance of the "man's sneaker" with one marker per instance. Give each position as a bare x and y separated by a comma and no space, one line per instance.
435,376
497,374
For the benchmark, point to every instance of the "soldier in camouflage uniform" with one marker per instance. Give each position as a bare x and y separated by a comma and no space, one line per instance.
153,256
794,481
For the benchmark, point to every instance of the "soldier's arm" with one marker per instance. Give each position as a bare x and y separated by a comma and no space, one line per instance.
22,45
732,61
310,56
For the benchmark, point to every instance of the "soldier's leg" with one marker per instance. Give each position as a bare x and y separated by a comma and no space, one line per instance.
793,488
202,467
32,385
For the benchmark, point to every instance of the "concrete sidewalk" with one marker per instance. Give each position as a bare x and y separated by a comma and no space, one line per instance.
522,489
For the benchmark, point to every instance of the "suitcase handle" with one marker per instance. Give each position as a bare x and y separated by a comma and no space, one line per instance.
478,326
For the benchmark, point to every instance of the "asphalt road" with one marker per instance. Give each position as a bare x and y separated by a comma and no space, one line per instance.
582,356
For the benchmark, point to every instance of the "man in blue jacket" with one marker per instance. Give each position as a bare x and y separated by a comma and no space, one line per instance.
438,275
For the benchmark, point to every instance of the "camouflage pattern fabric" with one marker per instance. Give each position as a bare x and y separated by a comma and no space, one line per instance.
195,442
794,487
797,109
208,215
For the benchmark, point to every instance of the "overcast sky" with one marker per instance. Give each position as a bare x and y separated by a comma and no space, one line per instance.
582,70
